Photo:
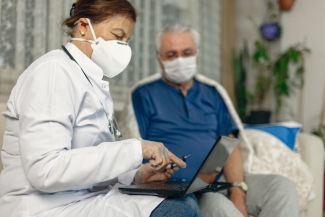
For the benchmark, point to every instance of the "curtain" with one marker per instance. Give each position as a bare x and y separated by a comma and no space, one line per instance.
30,28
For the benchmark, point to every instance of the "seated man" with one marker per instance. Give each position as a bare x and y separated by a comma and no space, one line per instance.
186,114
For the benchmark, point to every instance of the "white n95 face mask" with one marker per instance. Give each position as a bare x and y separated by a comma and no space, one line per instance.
111,56
181,69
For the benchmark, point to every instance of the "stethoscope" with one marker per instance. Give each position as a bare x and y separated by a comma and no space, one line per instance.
112,124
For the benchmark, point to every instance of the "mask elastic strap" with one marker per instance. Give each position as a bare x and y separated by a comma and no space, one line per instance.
82,39
92,30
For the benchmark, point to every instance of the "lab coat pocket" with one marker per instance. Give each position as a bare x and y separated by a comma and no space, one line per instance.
131,205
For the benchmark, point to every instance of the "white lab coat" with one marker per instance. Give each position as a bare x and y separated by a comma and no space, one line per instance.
57,148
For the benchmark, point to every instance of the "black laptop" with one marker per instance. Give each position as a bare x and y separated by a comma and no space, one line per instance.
215,160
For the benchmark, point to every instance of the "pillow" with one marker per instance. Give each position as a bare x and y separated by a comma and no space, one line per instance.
285,131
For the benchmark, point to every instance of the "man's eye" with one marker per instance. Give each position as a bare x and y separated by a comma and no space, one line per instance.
171,55
189,53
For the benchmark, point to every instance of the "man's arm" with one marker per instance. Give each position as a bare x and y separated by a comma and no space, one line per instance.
233,168
233,171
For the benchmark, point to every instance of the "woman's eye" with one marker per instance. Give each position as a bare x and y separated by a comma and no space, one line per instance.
118,37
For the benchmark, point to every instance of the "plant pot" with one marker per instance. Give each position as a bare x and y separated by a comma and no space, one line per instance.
259,117
270,31
286,5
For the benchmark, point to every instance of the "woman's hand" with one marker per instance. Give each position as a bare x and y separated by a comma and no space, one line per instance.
146,174
159,156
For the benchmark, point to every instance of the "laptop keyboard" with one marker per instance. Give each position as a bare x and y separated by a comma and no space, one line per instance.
164,185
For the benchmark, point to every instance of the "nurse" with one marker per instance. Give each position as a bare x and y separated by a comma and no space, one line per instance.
59,154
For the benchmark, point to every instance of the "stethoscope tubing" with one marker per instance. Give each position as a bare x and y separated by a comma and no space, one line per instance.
114,121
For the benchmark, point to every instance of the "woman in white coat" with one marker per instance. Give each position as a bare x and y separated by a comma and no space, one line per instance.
60,156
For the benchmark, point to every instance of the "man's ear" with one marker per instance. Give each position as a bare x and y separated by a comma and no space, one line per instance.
159,61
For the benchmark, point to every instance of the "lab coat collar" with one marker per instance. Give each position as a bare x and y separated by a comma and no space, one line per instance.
91,69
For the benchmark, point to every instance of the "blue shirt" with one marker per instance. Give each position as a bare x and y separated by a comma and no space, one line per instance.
185,125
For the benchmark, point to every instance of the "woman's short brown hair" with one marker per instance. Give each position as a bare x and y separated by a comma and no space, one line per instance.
98,11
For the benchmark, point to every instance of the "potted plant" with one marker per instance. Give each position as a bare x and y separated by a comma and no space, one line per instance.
273,74
271,30
283,85
240,62
273,68
286,5
273,71
260,114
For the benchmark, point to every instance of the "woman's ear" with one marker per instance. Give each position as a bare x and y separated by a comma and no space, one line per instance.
83,26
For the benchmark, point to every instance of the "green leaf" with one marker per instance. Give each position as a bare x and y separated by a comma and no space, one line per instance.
295,56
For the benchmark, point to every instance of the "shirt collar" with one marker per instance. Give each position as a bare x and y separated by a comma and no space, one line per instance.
91,69
193,88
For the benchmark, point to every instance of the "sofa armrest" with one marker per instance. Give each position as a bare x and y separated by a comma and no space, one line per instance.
312,153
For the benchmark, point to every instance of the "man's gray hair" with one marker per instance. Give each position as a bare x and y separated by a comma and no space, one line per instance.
177,28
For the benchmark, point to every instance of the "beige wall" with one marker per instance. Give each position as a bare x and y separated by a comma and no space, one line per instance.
244,28
305,22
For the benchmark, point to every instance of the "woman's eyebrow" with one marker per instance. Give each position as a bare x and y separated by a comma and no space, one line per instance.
119,29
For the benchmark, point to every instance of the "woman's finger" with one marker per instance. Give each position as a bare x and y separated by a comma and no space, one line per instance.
170,171
159,168
168,175
177,160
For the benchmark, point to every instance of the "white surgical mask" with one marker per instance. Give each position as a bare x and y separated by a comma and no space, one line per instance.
111,56
181,69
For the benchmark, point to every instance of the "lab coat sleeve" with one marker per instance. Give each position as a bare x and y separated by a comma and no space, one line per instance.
48,108
127,178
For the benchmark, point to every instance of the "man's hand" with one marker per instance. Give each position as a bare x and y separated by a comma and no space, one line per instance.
238,197
146,174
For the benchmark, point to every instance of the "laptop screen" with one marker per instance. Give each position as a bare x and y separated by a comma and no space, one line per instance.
214,161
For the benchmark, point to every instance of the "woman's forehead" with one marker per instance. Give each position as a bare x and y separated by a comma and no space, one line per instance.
119,23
